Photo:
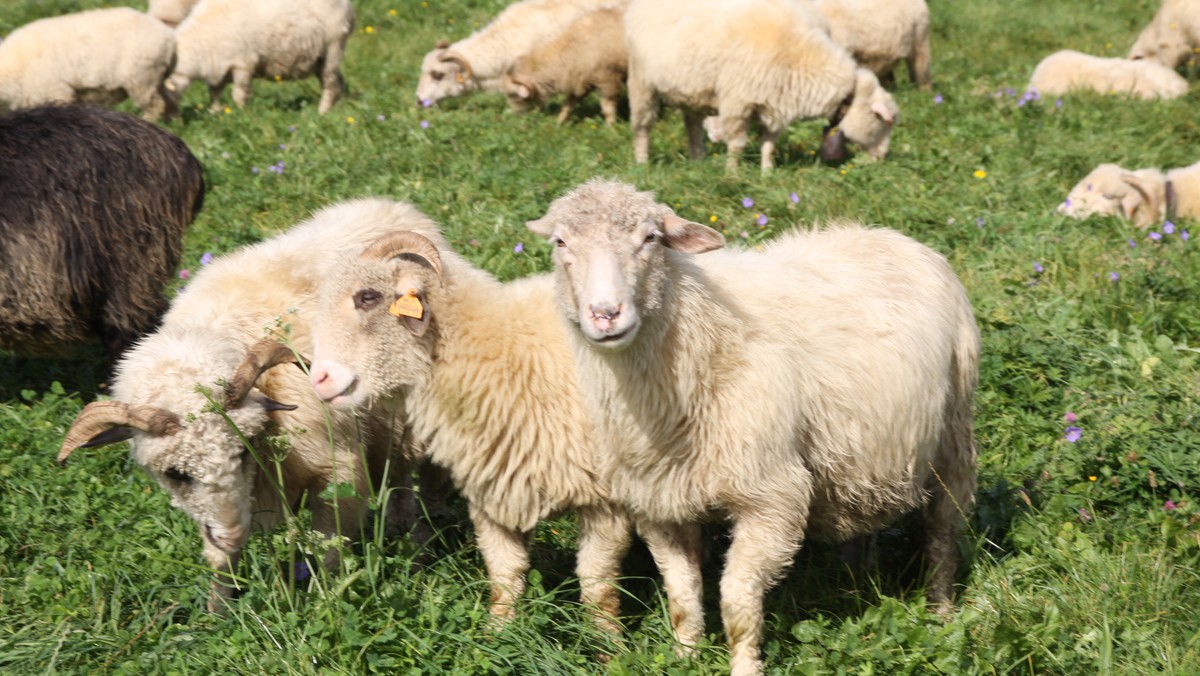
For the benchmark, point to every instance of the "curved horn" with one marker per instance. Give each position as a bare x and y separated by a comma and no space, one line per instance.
527,82
441,44
101,417
459,59
261,356
403,242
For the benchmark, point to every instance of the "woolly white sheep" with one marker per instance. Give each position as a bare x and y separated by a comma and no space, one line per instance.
234,40
99,56
1068,71
770,59
821,387
214,335
170,12
487,379
1144,196
1172,35
880,33
589,54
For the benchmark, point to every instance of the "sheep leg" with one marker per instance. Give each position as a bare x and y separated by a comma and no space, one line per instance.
149,96
694,123
918,63
676,551
604,538
241,85
214,93
608,102
567,106
332,82
506,556
952,495
768,138
643,112
733,130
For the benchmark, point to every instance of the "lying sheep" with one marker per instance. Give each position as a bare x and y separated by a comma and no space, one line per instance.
93,205
880,33
1172,34
821,387
765,59
101,56
1068,71
211,349
478,61
1145,196
486,376
589,54
233,40
170,12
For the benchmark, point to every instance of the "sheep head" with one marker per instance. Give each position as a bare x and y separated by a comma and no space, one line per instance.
445,74
611,245
871,115
1110,190
1167,44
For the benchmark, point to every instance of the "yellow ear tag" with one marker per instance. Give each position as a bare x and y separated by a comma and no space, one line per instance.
460,78
408,305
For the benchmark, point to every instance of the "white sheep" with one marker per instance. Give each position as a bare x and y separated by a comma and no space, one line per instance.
478,61
99,56
881,33
589,54
233,40
1144,196
767,59
1172,35
1068,71
821,387
170,12
210,339
486,377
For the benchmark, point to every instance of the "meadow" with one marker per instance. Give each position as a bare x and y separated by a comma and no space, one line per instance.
1084,549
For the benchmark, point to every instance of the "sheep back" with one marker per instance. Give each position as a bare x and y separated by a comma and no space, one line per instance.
1066,71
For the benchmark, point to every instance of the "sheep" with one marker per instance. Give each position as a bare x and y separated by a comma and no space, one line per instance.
478,61
170,12
1067,71
879,33
93,205
233,40
770,59
1172,34
225,328
821,387
485,375
589,54
99,56
1145,196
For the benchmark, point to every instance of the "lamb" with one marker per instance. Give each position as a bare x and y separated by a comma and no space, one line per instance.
770,59
478,61
224,40
589,54
93,205
225,327
1068,71
1145,196
879,33
99,56
1172,34
821,387
170,12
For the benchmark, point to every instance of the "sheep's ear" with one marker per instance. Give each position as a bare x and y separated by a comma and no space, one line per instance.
689,237
441,44
881,111
524,92
1142,199
412,309
541,227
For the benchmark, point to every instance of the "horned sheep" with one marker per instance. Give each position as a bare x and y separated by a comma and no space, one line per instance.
1068,71
881,33
1172,35
93,206
170,12
1144,196
98,56
770,59
821,387
220,339
233,40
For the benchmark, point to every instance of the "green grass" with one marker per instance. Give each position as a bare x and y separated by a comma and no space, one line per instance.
1077,567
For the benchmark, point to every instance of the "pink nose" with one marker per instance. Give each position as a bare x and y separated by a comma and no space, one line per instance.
322,381
603,315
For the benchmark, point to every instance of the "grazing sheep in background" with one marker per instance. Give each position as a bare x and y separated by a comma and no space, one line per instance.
478,61
93,205
821,387
170,12
214,335
1145,196
101,56
486,376
589,54
879,33
1069,71
767,59
234,40
1172,34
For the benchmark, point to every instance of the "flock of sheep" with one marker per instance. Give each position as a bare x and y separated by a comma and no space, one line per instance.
645,384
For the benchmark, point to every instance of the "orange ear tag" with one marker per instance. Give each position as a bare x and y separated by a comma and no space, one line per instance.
408,305
460,78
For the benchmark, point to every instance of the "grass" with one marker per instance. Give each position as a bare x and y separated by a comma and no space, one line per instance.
1078,563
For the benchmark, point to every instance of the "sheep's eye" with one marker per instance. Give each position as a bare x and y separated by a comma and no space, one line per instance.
558,242
367,299
175,474
437,75
650,238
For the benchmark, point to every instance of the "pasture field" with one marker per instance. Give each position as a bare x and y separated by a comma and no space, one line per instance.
1085,545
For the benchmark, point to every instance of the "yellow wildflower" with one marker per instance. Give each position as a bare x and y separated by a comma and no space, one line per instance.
391,12
350,120
1091,477
369,29
979,173
712,219
228,110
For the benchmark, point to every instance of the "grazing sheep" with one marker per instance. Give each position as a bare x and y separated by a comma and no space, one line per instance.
1172,34
879,33
821,387
170,12
1145,196
589,54
487,379
767,59
93,205
101,56
234,40
1068,71
478,61
221,335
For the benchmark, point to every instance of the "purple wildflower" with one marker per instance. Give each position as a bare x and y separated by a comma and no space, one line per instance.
1022,102
425,103
747,202
1058,103
1010,91
253,170
937,100
1067,202
301,572
519,247
761,220
292,128
979,221
381,118
794,198
1084,515
1073,434
206,258
1114,276
283,146
1169,505
1132,244
424,124
1168,228
1155,235
185,273
1070,417
1184,236
1037,268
